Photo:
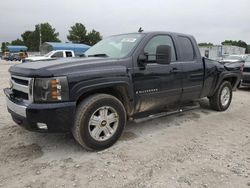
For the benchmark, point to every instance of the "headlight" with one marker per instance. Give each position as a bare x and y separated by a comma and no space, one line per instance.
51,89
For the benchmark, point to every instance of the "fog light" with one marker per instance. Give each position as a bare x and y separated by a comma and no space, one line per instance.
42,126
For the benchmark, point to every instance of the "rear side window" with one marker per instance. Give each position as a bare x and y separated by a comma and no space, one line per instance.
68,54
151,47
187,50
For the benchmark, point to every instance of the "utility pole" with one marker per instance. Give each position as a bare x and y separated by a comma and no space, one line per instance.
40,37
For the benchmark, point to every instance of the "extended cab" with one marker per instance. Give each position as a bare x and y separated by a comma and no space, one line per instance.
121,77
55,54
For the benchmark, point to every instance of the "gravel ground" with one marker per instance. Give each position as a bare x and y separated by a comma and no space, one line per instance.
199,148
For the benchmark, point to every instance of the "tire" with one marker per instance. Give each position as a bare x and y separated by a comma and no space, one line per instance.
222,98
92,128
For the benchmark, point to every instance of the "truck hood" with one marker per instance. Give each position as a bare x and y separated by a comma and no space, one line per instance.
62,67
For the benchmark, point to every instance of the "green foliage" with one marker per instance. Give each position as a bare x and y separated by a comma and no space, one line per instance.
31,39
17,42
93,37
4,46
239,43
204,44
27,37
78,34
49,33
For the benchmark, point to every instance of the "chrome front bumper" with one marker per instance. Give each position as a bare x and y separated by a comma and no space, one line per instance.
18,109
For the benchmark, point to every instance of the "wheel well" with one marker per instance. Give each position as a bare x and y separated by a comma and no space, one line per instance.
232,80
120,92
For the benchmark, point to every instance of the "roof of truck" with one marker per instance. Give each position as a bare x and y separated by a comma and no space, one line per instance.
157,32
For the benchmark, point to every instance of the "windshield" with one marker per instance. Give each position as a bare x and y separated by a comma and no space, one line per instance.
49,54
115,46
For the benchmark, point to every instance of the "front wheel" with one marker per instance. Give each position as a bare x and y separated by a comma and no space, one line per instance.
222,98
99,122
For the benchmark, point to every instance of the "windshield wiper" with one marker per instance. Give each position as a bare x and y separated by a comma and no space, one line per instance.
98,55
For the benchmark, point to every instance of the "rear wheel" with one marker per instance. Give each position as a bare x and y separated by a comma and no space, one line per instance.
99,122
222,98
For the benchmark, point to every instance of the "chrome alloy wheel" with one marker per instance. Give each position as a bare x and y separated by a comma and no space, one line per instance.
225,96
103,123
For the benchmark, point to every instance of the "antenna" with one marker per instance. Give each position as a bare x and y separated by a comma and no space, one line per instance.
140,30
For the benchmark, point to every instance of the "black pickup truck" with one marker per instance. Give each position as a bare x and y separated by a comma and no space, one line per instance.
122,77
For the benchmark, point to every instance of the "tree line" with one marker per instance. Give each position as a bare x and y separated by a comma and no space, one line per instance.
77,34
239,43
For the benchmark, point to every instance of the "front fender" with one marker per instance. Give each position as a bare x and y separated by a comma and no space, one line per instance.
84,87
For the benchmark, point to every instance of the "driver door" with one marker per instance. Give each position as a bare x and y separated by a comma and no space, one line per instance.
157,85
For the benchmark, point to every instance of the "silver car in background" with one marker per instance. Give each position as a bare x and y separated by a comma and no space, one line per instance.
234,58
246,72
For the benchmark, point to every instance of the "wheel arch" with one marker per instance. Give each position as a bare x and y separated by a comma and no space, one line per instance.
119,90
233,78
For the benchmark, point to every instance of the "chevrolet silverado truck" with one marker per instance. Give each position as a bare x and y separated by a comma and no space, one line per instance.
120,78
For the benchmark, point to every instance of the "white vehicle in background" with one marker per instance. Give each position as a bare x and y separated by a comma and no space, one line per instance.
234,58
55,54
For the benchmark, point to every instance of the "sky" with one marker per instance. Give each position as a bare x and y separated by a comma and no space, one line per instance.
208,20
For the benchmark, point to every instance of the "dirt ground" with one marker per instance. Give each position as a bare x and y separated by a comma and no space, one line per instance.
199,148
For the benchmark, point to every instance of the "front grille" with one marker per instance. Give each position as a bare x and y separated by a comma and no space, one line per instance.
20,95
20,81
22,87
246,69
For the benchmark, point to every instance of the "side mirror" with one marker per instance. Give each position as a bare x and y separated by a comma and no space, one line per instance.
163,54
142,59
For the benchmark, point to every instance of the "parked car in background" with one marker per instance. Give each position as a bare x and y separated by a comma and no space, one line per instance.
55,54
19,56
6,56
22,56
234,58
246,72
14,57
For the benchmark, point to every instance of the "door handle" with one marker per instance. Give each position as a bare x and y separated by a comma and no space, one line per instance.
175,70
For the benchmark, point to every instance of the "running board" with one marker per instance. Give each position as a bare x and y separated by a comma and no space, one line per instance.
163,114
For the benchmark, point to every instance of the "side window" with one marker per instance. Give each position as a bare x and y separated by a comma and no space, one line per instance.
186,48
68,54
58,54
150,48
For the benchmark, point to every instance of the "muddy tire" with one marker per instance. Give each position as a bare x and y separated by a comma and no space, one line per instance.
222,98
99,122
